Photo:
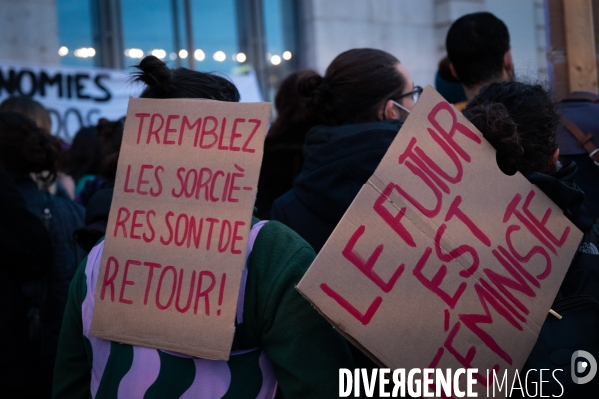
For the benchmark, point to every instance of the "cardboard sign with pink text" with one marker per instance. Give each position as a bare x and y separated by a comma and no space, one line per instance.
442,260
179,222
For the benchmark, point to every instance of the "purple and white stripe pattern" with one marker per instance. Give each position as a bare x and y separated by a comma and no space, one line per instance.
212,377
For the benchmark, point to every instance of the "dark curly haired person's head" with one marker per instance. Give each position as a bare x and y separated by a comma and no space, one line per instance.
520,121
25,148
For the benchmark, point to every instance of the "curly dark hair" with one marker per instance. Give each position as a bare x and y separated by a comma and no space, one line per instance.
26,148
520,121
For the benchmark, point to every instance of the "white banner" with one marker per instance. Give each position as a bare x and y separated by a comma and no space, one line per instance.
78,97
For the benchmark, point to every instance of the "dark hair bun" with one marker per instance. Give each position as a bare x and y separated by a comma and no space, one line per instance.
163,82
500,130
315,95
153,72
312,88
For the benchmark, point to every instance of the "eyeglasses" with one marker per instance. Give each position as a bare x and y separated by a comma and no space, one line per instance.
415,96
415,93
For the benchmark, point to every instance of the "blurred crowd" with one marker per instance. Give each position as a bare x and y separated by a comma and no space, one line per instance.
329,135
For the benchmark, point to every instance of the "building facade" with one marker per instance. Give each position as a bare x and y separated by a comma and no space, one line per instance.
415,31
269,37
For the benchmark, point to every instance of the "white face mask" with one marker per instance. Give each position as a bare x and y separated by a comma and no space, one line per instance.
400,106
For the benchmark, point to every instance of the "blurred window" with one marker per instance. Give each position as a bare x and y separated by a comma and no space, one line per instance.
75,33
280,41
216,36
148,29
230,36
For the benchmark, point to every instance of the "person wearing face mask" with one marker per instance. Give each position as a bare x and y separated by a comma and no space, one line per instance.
358,107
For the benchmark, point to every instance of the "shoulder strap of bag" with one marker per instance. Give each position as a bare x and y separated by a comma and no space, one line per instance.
582,96
244,275
584,140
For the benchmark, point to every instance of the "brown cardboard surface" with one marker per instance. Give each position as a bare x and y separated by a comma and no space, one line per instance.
458,281
179,224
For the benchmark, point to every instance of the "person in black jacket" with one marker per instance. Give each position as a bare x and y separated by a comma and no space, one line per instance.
27,151
26,255
520,121
283,157
358,106
97,193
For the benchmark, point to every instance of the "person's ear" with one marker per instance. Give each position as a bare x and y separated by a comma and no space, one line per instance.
508,64
453,72
391,111
555,156
554,159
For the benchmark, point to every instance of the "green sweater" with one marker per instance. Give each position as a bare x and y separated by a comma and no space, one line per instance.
304,350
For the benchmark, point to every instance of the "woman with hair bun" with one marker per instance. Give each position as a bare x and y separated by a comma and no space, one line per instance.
358,105
356,109
27,152
163,82
283,148
520,121
281,345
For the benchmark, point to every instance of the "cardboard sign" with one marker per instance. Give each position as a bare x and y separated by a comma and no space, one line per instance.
442,260
179,222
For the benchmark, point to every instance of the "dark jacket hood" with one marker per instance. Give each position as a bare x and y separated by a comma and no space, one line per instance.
338,161
96,219
562,190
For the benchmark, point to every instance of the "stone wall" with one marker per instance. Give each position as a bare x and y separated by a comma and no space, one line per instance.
28,29
415,30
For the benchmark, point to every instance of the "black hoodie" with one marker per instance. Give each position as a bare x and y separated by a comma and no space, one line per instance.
26,256
338,162
583,275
